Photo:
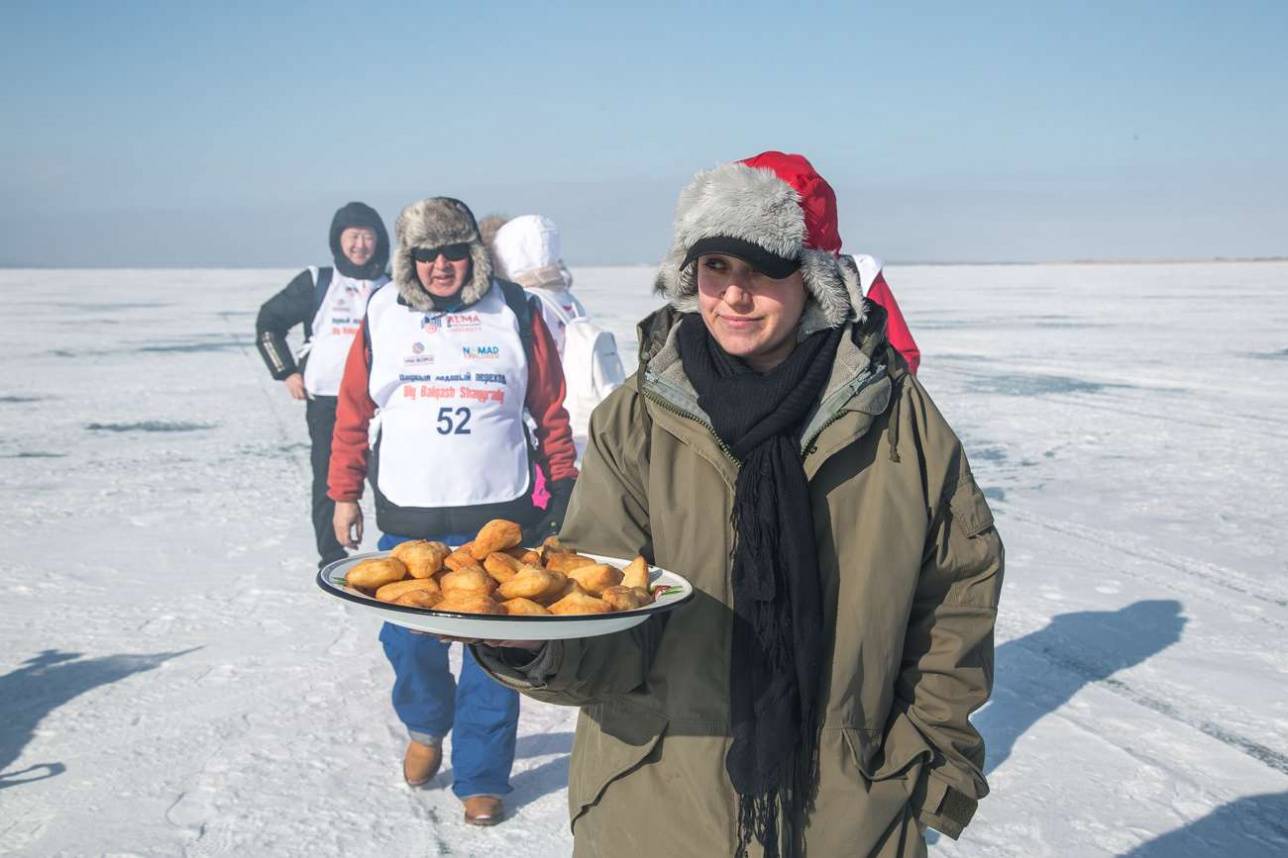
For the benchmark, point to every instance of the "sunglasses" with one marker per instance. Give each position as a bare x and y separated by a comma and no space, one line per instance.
453,253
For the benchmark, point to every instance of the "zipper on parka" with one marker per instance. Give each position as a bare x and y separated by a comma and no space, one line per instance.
841,396
667,405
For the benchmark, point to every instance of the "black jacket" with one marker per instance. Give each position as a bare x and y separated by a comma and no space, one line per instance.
298,303
294,305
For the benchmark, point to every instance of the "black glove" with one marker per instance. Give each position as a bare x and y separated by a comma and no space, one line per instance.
556,509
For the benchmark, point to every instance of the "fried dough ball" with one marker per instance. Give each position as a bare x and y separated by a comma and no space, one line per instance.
461,558
636,573
469,602
525,555
597,578
375,573
391,592
469,580
621,598
529,583
502,566
566,561
497,535
580,603
524,608
421,557
558,587
420,598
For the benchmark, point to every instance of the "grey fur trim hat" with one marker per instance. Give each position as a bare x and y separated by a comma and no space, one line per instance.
780,204
436,222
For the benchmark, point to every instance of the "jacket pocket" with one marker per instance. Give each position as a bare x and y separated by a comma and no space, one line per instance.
970,510
901,753
613,739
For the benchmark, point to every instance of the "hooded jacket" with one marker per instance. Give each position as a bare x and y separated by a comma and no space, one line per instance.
527,251
298,303
911,569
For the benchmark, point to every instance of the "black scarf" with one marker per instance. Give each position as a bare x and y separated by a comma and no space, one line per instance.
777,599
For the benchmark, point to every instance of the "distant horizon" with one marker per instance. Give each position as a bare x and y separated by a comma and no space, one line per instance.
1218,260
1096,131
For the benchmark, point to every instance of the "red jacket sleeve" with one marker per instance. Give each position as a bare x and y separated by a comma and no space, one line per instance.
545,402
353,412
896,328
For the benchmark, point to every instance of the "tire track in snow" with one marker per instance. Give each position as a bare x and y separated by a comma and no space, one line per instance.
1092,675
1210,573
442,845
1082,400
1224,425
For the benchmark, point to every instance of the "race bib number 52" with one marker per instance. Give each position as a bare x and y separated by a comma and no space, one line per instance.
453,421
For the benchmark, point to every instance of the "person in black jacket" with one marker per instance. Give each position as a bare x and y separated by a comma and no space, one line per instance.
329,302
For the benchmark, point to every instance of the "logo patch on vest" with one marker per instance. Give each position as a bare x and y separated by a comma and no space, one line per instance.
418,356
481,352
463,322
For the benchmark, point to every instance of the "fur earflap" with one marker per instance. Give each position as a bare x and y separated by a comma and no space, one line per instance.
436,222
753,204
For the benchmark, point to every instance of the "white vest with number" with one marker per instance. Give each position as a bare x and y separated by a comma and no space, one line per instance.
334,325
450,389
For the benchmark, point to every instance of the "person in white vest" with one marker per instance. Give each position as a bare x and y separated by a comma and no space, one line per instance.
527,250
450,362
328,302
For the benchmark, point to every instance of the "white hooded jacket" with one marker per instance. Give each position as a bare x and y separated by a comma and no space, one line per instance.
527,251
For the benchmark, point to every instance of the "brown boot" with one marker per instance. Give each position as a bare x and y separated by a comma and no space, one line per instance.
483,810
421,763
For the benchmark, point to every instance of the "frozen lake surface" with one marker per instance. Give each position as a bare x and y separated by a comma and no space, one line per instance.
173,683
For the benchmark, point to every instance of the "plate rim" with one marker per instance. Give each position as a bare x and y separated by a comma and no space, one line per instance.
370,601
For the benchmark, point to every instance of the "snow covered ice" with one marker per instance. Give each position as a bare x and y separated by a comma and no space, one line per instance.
172,682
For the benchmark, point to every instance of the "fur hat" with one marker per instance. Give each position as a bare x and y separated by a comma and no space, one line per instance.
436,222
781,206
489,225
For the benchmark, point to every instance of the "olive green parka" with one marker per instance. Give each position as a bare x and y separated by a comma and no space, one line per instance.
911,569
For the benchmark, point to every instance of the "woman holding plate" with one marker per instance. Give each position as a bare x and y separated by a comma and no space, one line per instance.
814,697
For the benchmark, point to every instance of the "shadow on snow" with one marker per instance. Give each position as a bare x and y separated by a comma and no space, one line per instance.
1085,647
42,684
1250,827
546,778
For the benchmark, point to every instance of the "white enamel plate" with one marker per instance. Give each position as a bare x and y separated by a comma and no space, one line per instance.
518,628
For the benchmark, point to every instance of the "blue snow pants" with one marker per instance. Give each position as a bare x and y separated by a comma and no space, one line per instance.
481,713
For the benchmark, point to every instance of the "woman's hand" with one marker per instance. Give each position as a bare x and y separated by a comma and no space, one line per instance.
295,386
347,523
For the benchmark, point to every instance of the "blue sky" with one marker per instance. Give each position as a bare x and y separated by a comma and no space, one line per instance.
188,134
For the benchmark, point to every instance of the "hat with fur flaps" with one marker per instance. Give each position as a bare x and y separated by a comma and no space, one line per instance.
437,222
778,214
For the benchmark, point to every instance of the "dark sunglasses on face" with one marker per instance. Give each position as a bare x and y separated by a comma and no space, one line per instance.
453,252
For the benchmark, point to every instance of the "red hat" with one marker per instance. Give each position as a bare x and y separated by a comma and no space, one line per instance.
817,199
775,212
